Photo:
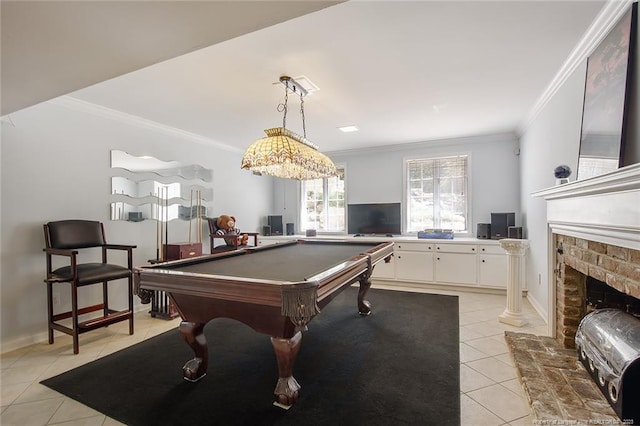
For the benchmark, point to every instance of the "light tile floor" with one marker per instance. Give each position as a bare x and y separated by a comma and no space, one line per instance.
490,393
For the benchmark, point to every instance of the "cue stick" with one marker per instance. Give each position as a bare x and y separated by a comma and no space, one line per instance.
166,222
157,211
161,210
190,213
200,216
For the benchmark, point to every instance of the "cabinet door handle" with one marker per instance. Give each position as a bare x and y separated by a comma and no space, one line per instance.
473,249
483,249
437,258
482,260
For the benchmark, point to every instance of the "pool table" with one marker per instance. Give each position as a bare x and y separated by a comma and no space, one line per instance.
275,290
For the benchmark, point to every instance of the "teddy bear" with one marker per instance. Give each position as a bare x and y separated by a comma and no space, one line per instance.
227,226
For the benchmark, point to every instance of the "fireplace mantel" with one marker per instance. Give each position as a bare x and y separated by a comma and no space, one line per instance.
604,208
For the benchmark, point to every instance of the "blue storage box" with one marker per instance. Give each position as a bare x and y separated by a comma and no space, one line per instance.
438,235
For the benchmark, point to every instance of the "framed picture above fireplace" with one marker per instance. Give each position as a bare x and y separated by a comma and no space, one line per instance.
607,98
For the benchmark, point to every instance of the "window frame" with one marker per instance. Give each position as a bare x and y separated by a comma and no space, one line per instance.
303,199
406,184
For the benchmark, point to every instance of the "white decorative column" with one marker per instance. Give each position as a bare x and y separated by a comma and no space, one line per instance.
515,250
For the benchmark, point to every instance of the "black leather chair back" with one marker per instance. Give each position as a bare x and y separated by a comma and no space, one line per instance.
72,234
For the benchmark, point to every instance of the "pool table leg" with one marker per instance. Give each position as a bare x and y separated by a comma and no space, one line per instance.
364,307
196,368
287,388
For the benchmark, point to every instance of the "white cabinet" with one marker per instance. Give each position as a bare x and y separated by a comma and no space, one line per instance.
456,263
414,266
267,241
456,268
471,263
414,261
385,270
492,267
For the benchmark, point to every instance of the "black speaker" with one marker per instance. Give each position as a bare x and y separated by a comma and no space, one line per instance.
484,231
266,230
275,222
515,232
290,229
500,223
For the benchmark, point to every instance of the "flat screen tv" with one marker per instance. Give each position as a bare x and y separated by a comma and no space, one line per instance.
379,218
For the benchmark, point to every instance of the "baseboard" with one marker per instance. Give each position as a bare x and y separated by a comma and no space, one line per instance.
25,341
391,283
536,305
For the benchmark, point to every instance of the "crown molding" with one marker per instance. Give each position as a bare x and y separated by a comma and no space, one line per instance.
608,17
133,120
462,140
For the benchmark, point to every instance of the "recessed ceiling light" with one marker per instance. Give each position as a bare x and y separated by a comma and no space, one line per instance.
348,129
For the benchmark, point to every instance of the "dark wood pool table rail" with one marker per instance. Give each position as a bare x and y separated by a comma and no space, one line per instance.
164,276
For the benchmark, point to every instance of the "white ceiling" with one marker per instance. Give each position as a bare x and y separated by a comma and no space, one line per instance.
50,48
401,71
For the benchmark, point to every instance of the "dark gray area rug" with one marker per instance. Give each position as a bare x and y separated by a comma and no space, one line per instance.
400,365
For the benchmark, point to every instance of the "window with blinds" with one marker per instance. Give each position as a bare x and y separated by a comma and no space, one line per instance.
323,204
437,194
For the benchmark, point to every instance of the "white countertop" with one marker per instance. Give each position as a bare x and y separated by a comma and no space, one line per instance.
397,238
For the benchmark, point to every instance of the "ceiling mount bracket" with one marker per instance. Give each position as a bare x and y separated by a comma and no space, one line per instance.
293,85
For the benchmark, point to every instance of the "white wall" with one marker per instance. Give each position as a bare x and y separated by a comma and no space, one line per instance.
553,138
286,202
56,165
376,175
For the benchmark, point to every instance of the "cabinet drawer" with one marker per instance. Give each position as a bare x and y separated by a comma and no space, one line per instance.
414,246
268,242
457,248
491,249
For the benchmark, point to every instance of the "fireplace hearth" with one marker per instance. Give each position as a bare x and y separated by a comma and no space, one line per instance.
557,385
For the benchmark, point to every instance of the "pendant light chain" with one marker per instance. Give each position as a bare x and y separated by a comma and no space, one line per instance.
283,107
304,127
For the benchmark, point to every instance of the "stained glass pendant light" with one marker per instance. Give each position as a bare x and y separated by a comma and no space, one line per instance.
285,154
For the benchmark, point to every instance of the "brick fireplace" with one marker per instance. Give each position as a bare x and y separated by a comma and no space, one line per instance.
593,248
594,228
576,260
